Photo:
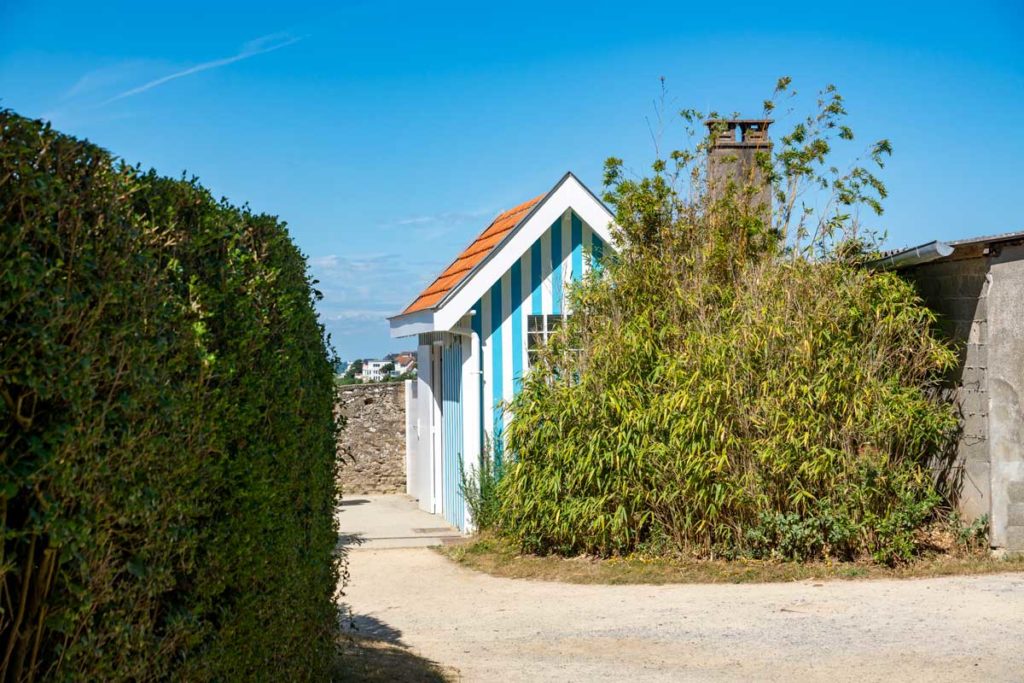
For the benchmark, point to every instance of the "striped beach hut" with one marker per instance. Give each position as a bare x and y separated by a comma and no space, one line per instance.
476,325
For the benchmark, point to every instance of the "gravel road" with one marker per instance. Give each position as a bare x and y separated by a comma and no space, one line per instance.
492,629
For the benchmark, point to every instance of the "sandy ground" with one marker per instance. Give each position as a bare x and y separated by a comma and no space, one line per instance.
493,629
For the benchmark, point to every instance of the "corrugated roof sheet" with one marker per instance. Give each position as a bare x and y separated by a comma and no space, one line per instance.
1000,237
476,252
904,257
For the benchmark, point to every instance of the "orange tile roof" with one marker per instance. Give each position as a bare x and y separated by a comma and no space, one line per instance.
471,257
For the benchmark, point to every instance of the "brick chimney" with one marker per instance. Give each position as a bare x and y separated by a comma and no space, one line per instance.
733,156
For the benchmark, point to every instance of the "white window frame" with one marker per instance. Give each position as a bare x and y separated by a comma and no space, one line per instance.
541,333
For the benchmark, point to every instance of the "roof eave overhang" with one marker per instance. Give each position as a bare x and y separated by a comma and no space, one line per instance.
939,251
914,256
412,324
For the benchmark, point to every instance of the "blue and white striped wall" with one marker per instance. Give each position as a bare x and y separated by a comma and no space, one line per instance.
536,284
491,375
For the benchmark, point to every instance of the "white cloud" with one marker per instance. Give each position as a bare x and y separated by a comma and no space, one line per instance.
361,291
431,227
366,285
444,217
355,317
328,262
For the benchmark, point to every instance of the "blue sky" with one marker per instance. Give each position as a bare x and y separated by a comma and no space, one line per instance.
388,134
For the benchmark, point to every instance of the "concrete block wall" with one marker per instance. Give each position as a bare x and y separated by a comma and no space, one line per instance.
371,448
958,292
1006,396
981,301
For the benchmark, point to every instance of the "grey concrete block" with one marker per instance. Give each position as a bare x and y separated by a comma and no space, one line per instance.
975,494
1014,540
1005,382
973,403
977,351
1015,515
981,310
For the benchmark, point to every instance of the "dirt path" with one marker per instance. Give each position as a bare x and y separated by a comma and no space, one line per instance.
491,629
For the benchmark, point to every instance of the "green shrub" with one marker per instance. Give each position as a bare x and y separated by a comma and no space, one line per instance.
969,537
822,532
727,386
480,490
166,427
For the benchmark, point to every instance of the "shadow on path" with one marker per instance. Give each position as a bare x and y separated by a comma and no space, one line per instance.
366,626
345,541
372,650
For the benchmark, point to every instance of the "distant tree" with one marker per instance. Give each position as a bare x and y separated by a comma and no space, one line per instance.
387,369
354,368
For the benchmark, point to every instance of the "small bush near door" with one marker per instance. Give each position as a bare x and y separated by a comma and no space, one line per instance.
167,479
480,490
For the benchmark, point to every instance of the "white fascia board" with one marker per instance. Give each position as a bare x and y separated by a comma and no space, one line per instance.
411,324
569,193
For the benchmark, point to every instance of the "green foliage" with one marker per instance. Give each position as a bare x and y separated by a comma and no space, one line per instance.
168,471
971,536
743,388
790,536
354,368
480,491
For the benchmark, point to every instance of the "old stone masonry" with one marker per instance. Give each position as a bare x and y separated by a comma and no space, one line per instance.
371,447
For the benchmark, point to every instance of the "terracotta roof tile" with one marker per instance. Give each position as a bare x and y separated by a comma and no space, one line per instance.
451,276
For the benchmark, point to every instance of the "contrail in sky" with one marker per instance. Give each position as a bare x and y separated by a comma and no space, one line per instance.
251,49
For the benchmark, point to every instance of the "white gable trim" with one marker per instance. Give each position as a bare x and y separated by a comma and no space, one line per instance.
569,193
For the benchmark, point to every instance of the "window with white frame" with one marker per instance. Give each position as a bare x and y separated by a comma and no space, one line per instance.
538,329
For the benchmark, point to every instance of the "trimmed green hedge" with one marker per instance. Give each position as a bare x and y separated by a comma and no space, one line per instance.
168,463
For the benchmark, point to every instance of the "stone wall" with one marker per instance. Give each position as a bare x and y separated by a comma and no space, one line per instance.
372,445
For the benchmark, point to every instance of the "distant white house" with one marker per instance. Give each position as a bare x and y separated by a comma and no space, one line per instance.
373,371
390,367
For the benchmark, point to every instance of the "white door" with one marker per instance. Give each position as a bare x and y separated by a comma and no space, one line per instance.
421,473
437,431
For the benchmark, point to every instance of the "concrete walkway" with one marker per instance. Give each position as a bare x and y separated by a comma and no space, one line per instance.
374,522
491,629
